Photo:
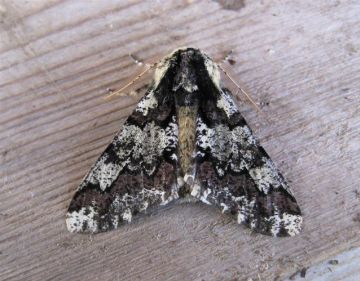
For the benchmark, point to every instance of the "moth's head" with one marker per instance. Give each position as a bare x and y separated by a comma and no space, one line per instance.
187,61
184,52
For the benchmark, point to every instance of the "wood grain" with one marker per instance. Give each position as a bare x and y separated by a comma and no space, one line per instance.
300,61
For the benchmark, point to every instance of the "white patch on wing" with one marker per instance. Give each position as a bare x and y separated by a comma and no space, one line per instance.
243,135
204,196
266,176
291,223
241,217
253,223
226,103
103,173
225,207
144,206
172,132
146,103
85,216
149,193
230,147
220,171
146,144
195,191
213,71
127,216
115,221
145,197
217,139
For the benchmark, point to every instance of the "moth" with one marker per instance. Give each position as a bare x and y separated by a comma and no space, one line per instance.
185,141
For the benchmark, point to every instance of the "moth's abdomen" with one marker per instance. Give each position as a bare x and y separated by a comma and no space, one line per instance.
187,135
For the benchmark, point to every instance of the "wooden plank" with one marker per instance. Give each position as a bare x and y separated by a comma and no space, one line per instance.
300,61
344,267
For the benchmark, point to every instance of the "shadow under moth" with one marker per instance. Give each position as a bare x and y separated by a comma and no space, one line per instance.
185,141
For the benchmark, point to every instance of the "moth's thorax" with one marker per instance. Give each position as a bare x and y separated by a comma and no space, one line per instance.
187,69
187,136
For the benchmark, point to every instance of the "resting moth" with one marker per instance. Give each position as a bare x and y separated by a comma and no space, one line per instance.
186,139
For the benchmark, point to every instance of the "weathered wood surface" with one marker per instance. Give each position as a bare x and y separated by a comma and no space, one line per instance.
300,61
344,267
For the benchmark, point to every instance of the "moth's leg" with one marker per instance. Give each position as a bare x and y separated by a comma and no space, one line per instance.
228,58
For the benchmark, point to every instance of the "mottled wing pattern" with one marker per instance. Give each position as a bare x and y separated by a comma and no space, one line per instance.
235,173
137,170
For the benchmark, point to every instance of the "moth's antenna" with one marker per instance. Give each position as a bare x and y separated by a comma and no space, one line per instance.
241,89
118,92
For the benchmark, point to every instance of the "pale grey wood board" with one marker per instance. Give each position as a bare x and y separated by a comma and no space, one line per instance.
344,267
57,59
